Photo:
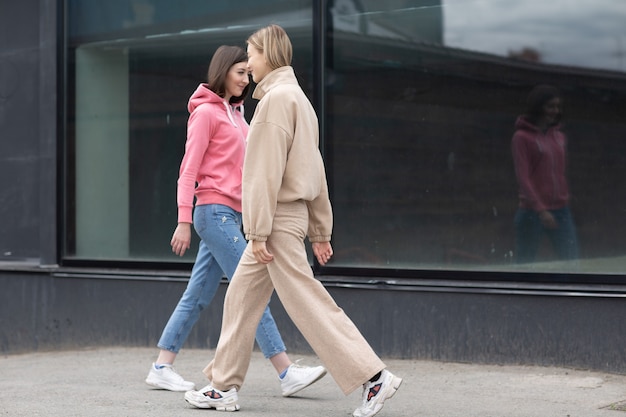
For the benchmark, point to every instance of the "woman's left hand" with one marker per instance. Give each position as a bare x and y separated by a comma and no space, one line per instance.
322,251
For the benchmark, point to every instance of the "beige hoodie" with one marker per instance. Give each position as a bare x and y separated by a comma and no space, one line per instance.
283,163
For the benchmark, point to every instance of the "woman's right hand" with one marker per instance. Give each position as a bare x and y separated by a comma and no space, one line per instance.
181,240
261,253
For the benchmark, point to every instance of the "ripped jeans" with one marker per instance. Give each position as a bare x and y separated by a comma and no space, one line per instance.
221,246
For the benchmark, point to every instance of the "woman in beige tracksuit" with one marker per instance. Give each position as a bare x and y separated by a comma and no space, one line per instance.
285,199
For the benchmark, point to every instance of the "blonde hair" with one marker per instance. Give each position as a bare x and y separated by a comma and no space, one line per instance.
275,45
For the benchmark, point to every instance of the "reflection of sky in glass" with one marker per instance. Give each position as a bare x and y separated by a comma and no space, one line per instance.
582,33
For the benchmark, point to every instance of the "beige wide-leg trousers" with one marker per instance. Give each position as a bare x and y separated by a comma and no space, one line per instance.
332,335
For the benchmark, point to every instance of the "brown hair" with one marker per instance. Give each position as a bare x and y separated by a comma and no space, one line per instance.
536,99
223,59
275,45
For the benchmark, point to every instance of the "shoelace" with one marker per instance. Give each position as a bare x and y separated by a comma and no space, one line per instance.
171,371
296,366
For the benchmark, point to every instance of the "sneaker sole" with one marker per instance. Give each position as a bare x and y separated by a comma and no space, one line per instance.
229,407
168,387
298,389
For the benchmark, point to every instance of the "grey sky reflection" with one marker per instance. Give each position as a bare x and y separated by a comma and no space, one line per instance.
581,33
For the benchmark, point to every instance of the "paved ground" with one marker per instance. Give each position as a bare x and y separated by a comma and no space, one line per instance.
109,382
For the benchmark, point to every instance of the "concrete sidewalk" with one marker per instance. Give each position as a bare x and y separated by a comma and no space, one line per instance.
110,382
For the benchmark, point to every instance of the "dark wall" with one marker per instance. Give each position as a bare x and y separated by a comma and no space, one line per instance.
41,311
65,310
28,128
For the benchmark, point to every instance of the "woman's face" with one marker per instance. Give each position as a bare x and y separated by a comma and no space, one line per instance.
256,64
552,111
236,80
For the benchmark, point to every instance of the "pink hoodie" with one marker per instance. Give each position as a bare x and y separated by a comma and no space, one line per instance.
540,164
214,153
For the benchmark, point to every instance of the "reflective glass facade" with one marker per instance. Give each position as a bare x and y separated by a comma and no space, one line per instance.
133,66
417,100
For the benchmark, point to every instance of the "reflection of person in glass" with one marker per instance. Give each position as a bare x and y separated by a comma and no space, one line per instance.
539,153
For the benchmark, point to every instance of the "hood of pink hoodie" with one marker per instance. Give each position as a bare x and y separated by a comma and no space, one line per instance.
203,95
522,123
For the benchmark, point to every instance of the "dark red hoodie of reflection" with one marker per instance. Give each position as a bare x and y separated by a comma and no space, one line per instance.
540,162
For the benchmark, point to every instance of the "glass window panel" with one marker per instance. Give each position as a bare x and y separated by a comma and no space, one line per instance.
421,101
132,67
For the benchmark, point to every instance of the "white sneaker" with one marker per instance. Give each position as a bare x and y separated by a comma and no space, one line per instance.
375,393
167,378
209,397
299,377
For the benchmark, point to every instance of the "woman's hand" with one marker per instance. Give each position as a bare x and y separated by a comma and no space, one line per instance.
181,240
261,254
322,251
547,220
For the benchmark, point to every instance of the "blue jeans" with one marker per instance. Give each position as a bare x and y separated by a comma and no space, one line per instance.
529,231
221,246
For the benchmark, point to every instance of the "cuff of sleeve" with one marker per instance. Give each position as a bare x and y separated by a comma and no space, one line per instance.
252,236
185,214
321,238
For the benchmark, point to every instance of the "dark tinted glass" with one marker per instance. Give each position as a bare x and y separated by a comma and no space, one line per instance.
422,97
132,67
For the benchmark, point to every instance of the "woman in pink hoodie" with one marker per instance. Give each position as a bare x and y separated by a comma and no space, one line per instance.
539,153
214,155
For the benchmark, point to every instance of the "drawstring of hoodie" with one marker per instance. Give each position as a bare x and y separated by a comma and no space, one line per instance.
229,110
